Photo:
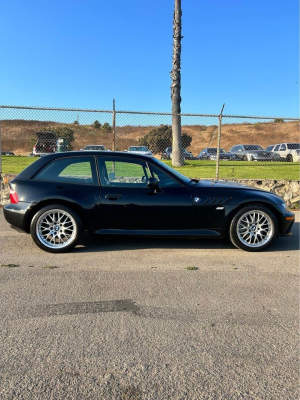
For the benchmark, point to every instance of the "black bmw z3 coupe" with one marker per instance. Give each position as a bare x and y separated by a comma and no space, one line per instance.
62,195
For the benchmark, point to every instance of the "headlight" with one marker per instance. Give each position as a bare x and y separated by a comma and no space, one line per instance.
284,205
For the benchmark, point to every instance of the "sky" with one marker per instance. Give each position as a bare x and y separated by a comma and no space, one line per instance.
84,54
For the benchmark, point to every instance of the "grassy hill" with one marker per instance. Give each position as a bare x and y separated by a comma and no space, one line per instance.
19,136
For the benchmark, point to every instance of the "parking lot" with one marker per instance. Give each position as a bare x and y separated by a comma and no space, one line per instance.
148,319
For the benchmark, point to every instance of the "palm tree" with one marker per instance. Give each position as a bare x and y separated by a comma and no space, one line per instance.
177,154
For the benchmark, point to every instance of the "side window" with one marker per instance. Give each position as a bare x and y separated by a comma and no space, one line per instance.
163,179
73,170
276,148
282,147
234,149
122,173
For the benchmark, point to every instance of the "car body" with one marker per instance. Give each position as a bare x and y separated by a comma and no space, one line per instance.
253,152
61,195
289,151
210,153
7,153
143,150
91,147
273,148
46,144
167,154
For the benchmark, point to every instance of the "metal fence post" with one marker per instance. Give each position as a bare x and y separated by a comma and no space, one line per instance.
1,175
114,125
219,142
0,154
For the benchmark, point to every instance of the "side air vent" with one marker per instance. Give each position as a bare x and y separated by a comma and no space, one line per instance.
216,200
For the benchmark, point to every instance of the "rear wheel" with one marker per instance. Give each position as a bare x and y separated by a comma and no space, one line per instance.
244,158
56,228
289,158
253,228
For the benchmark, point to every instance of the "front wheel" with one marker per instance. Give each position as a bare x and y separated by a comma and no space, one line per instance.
253,228
56,228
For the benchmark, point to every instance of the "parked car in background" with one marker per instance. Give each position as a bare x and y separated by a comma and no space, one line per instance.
62,195
98,147
274,149
252,152
289,151
143,150
45,144
210,153
7,153
167,154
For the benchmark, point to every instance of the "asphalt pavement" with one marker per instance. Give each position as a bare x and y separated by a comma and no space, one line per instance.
137,318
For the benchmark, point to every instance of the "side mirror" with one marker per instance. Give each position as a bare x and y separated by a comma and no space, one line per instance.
152,183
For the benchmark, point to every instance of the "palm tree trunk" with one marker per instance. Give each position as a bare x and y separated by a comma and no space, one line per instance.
177,153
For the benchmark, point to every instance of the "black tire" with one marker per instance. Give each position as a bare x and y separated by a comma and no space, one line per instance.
244,158
65,229
241,224
289,158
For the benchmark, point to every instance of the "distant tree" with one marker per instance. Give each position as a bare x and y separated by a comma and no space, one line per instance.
186,140
76,122
64,132
160,138
106,127
279,120
97,125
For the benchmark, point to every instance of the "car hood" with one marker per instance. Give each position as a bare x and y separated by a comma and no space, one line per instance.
264,152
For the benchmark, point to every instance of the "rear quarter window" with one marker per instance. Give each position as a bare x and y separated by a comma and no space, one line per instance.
73,170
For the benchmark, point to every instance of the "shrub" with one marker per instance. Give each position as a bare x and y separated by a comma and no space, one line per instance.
96,125
160,138
106,127
64,132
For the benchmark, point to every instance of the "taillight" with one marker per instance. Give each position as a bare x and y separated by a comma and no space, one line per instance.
13,196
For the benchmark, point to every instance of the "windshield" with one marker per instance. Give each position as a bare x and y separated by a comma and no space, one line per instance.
214,150
293,146
138,148
253,147
172,170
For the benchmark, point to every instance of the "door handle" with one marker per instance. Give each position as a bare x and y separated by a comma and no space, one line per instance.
113,196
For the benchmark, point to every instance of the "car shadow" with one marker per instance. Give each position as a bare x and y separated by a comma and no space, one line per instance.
97,243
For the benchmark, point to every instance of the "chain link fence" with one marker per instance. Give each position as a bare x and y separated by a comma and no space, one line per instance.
214,146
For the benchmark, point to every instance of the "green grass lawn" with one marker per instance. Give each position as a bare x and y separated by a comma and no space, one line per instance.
240,170
198,169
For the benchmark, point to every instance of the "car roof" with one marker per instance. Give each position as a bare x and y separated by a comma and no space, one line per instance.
28,172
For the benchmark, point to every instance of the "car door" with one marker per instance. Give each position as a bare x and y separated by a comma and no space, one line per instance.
128,204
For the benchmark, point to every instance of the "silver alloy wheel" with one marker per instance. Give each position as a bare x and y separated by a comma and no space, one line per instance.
255,228
56,229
